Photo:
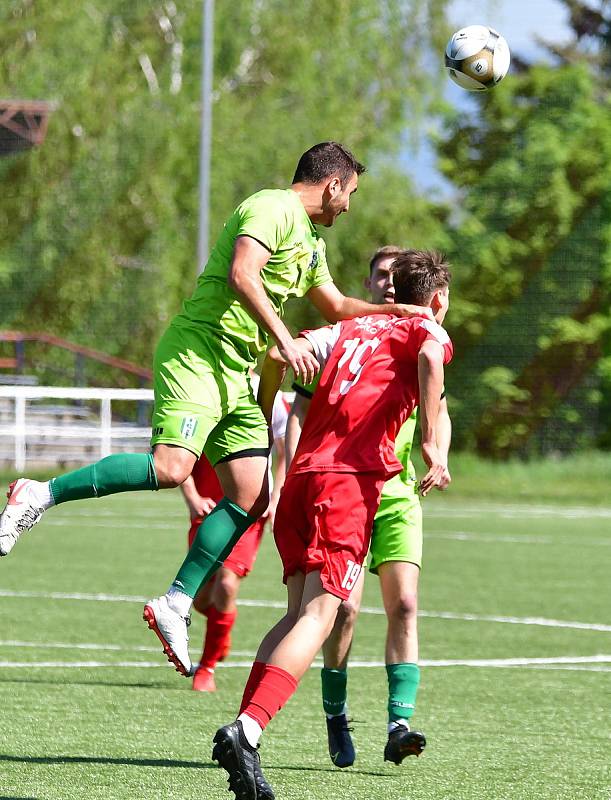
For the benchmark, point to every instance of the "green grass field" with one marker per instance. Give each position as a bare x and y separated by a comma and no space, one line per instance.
518,593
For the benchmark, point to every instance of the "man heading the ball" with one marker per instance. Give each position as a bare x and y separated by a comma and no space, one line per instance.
376,370
268,251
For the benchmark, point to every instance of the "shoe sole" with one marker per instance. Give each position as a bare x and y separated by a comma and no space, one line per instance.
224,752
148,615
414,744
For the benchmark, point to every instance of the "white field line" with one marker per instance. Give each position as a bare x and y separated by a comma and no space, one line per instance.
589,663
455,662
438,509
515,511
113,598
108,519
492,538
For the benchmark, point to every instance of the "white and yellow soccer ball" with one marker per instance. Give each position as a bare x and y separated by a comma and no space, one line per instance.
477,58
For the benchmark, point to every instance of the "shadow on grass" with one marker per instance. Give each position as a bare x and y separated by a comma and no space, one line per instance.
166,762
129,762
14,797
119,684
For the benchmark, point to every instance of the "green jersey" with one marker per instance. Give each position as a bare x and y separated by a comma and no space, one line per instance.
277,219
402,484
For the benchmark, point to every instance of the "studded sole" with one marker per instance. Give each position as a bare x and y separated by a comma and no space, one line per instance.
148,615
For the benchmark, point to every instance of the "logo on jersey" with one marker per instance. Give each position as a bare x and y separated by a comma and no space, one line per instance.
188,427
374,324
314,262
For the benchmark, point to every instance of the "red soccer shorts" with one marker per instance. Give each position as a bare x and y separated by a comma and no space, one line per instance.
242,558
323,523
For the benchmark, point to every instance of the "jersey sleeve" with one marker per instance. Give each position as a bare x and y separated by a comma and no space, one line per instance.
265,218
321,273
280,415
416,331
440,335
323,341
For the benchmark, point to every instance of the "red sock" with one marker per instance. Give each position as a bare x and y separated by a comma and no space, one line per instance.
274,689
218,636
256,671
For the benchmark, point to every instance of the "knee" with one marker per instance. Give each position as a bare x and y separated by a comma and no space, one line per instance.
171,472
226,588
346,615
405,607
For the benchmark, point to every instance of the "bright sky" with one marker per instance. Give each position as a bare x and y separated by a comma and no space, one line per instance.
519,21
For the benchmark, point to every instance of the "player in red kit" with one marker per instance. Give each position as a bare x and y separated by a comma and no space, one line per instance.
376,369
216,600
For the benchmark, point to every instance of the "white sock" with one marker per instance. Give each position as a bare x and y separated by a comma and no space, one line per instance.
42,492
344,711
179,601
252,729
399,723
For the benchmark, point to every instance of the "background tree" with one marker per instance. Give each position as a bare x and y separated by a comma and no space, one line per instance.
98,226
531,245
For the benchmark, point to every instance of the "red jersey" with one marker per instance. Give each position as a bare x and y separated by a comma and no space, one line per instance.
367,390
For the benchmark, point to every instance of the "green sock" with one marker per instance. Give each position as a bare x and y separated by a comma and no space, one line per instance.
213,542
124,472
403,681
334,693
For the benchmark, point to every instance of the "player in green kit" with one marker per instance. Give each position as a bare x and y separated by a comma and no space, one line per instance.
396,557
268,251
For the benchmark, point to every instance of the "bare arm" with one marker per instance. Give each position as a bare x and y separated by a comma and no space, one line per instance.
273,372
279,476
334,306
430,379
294,425
244,278
444,437
198,505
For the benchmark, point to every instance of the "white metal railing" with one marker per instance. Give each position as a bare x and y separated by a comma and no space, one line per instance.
23,431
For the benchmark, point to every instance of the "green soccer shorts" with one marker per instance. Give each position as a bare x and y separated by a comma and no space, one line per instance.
397,531
204,400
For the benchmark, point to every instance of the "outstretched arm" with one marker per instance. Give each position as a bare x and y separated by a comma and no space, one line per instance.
334,306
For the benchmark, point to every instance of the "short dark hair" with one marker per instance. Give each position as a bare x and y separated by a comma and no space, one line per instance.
388,251
417,274
325,160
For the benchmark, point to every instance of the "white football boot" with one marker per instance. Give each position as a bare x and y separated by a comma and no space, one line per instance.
23,510
171,630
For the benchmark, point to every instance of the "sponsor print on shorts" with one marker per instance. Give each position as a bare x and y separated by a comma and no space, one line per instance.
188,427
353,571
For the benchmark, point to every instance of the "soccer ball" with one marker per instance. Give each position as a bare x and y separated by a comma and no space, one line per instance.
477,58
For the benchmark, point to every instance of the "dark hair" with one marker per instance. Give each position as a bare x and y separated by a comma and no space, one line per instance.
417,274
388,251
325,160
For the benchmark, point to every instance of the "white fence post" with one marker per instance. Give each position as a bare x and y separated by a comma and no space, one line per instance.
20,449
23,423
105,427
